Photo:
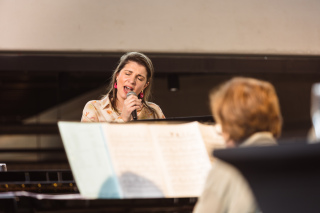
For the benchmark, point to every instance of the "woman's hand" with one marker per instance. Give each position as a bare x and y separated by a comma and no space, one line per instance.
131,103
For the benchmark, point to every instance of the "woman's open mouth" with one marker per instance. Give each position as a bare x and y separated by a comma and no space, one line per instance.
127,89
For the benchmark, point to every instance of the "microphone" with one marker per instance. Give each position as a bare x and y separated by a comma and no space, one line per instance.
134,112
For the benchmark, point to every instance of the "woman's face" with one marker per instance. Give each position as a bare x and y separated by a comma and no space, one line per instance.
133,77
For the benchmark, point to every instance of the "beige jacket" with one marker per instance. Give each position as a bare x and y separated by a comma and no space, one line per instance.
226,190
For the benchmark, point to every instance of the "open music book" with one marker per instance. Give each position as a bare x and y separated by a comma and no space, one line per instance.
142,160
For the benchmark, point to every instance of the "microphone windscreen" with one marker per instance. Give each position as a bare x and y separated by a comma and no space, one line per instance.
134,112
131,93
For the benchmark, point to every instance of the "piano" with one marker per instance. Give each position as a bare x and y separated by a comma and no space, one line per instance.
56,190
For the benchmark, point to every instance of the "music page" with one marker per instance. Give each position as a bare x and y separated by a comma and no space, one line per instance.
212,138
184,157
88,157
135,160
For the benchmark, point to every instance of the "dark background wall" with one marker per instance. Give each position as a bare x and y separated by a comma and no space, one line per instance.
32,82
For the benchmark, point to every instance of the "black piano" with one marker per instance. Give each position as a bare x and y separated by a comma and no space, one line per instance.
56,191
295,165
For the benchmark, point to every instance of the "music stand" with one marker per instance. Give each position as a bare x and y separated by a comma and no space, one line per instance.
283,178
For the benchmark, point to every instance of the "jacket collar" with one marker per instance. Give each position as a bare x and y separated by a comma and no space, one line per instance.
105,102
259,139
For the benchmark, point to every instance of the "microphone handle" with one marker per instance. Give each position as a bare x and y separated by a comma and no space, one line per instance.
134,114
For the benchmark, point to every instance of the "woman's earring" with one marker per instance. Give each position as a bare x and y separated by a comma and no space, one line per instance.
115,85
141,94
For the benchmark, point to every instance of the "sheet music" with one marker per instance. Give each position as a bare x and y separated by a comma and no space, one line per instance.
212,138
184,156
135,160
88,158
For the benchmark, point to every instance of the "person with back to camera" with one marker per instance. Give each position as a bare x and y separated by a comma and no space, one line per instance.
249,114
133,73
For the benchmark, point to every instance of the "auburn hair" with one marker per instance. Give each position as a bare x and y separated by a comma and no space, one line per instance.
244,106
